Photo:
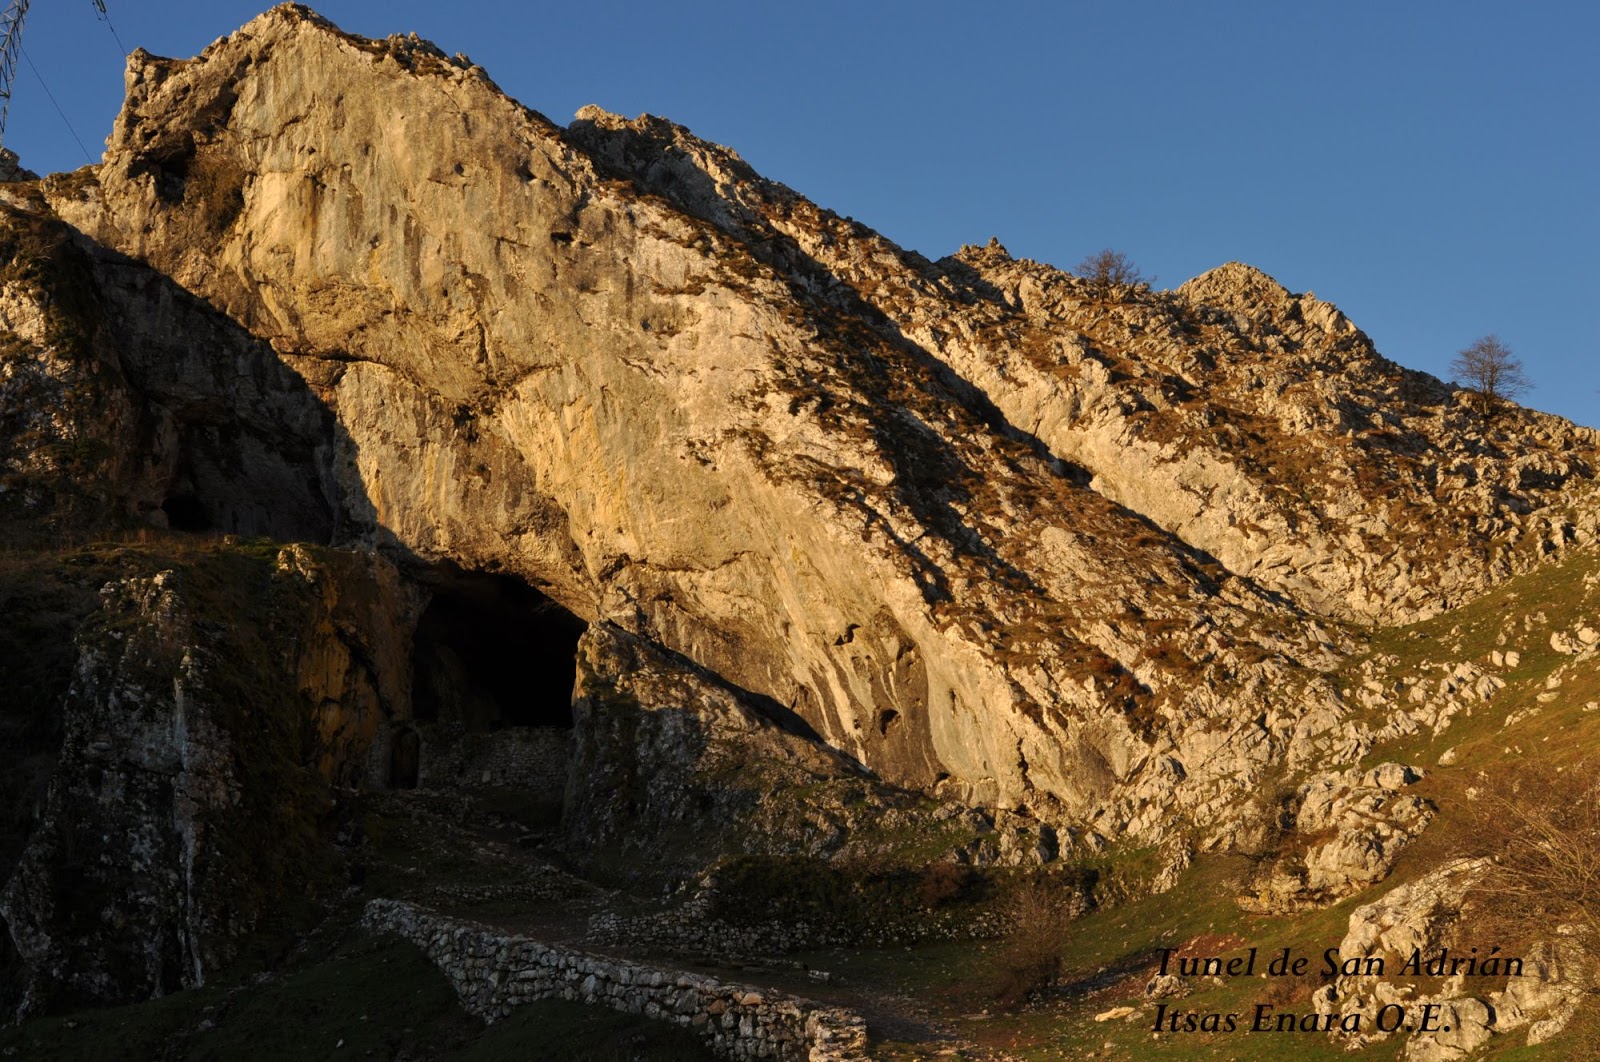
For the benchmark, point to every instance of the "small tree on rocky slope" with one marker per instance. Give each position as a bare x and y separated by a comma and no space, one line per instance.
1110,272
1039,913
1492,373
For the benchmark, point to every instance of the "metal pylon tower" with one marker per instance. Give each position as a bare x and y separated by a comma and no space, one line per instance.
10,51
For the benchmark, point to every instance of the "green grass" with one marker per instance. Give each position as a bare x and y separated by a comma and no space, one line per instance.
1470,634
556,1029
1120,945
373,994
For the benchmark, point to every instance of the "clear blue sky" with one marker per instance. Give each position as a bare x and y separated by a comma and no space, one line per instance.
1430,166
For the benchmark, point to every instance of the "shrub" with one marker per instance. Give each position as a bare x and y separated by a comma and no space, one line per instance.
1541,833
939,883
1039,913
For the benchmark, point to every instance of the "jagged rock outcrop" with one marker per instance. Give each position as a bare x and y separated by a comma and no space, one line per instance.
124,397
1257,425
1345,831
1420,935
673,762
536,369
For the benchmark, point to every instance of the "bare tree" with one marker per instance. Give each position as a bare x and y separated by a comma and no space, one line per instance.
1039,913
1110,272
1490,371
1540,833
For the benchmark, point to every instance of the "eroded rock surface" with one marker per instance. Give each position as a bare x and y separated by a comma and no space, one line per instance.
193,779
1345,831
1422,923
540,369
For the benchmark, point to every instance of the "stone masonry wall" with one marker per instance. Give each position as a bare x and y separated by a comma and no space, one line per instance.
493,972
528,757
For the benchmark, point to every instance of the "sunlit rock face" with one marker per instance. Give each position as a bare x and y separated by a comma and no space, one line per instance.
984,529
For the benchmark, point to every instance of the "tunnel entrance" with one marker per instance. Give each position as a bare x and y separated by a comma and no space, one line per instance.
405,759
492,652
185,512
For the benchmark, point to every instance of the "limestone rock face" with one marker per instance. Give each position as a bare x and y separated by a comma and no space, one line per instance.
192,778
675,763
67,418
975,525
857,549
666,751
534,368
1345,832
970,522
124,396
1257,425
1420,922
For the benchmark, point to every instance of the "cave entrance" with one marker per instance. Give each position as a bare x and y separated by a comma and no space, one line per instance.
492,652
405,759
185,512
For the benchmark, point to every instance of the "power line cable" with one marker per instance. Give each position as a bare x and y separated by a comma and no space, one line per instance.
57,106
105,16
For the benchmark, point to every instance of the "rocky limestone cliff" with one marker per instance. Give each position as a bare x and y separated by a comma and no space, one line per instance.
1257,425
971,545
125,398
981,528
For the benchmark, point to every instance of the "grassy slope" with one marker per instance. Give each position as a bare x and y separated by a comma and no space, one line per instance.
1559,736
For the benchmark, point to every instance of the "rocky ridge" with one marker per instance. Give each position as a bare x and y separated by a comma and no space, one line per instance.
1256,425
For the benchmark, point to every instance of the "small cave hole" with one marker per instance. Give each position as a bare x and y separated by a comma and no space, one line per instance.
185,512
887,718
492,652
405,759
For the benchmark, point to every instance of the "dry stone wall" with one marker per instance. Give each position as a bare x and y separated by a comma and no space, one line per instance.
493,972
534,758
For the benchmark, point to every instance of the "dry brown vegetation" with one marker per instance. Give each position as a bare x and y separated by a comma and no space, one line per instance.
1039,915
1541,833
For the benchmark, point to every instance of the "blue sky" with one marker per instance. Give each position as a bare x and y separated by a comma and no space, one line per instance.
1432,167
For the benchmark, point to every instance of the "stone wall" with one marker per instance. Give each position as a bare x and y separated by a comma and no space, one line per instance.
536,759
526,757
493,972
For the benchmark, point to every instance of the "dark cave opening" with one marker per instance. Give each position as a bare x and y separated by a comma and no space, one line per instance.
492,652
405,759
185,512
